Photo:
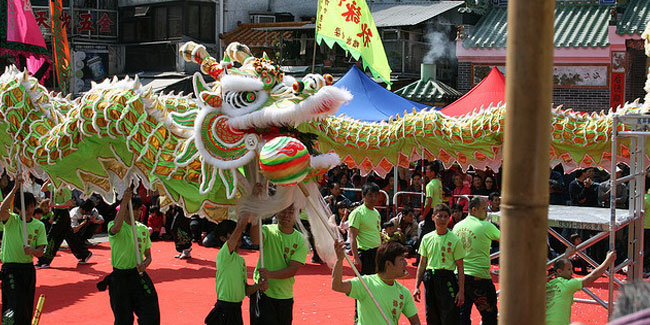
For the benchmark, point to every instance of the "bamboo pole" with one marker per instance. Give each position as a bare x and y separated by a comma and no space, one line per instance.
529,89
134,232
39,309
22,214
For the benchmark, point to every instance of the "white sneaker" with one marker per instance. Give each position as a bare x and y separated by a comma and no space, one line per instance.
185,254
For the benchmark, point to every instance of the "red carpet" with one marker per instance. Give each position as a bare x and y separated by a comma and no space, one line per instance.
186,290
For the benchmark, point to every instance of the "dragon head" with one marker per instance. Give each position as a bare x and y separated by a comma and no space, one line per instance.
248,103
256,94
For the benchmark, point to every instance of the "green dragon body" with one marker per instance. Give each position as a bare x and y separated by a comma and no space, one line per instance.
201,150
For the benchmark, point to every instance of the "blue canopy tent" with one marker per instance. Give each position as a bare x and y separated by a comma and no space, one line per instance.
371,101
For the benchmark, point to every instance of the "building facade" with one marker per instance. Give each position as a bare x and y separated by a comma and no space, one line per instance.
598,58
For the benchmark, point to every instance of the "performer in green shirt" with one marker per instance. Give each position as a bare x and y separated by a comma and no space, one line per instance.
393,298
560,290
365,229
477,235
442,253
433,190
284,253
130,288
231,275
61,229
18,273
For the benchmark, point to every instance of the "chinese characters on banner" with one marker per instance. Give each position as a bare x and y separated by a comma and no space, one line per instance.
349,24
90,23
617,96
617,91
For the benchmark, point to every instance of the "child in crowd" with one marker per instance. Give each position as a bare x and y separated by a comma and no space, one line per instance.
391,233
560,290
156,222
441,253
232,286
456,215
47,217
577,261
18,273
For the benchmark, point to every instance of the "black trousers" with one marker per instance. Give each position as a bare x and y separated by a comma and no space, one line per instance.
368,261
61,230
131,293
18,287
225,313
265,310
483,294
315,257
440,288
87,231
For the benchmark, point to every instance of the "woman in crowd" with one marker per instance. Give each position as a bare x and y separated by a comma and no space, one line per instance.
490,184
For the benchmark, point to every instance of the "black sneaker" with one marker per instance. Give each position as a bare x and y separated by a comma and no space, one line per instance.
85,259
42,266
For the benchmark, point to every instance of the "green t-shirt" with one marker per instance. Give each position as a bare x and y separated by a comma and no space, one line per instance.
47,216
394,300
559,298
441,251
279,250
12,239
231,276
62,195
477,236
434,191
368,223
122,248
303,215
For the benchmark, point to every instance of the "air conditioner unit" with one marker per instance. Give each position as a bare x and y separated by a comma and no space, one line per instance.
260,19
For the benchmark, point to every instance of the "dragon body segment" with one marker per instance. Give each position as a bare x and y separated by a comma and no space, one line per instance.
578,139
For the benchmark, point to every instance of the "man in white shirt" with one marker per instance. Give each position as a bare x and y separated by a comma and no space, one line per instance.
85,220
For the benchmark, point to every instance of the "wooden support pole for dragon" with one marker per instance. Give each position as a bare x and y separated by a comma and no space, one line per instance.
524,207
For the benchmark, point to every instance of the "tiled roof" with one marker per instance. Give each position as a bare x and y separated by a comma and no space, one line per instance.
254,37
409,13
430,91
576,25
635,18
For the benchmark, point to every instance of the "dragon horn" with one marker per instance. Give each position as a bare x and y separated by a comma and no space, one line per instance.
237,52
197,53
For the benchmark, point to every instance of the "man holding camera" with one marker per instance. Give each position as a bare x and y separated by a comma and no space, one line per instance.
85,220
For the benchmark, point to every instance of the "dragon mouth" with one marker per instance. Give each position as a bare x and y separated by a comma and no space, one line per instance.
324,103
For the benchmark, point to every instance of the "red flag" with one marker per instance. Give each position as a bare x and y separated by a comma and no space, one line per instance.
60,44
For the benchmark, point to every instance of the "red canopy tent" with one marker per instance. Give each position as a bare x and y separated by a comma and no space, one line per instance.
492,89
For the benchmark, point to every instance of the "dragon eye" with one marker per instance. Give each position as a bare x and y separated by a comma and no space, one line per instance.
250,97
241,100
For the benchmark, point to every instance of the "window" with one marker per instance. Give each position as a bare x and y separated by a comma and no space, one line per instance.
160,23
207,24
193,21
175,21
